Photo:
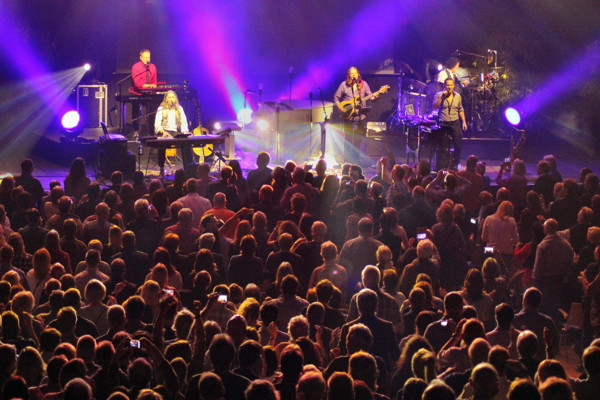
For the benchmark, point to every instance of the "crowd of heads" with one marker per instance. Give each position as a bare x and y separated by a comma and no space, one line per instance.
297,283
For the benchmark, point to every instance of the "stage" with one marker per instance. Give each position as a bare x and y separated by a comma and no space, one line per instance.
52,157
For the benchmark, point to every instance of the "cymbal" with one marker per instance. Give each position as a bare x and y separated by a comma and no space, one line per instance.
431,61
414,84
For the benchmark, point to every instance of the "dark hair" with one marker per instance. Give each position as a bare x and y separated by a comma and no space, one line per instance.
452,62
289,285
221,351
532,297
324,290
134,307
504,315
591,360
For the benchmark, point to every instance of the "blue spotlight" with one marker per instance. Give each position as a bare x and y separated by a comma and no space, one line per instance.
512,116
70,120
87,66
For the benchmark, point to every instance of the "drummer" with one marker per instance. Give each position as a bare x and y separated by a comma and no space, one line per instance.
452,66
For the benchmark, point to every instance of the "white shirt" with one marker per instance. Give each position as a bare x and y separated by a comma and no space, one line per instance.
445,74
170,120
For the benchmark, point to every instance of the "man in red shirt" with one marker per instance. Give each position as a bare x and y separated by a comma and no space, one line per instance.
144,76
143,72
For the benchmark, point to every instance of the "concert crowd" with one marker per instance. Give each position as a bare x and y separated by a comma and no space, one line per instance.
294,283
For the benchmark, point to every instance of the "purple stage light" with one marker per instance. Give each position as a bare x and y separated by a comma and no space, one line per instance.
568,79
70,120
512,116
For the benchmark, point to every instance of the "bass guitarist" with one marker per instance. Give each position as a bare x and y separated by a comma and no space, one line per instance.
356,90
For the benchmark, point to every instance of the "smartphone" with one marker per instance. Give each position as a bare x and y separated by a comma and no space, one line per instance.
168,292
488,249
421,236
507,160
444,322
473,221
222,298
135,344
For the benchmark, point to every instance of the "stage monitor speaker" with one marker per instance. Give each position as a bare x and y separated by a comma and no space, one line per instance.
114,156
92,103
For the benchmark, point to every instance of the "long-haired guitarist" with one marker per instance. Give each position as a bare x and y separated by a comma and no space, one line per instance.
357,91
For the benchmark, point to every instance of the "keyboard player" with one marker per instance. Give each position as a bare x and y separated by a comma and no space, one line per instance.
144,76
169,122
144,73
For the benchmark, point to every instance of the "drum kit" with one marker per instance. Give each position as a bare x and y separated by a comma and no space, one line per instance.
416,117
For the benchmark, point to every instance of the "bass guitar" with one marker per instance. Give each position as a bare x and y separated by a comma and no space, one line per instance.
349,108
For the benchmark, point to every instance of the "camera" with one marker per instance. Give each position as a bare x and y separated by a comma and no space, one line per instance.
168,292
222,298
135,344
421,236
488,249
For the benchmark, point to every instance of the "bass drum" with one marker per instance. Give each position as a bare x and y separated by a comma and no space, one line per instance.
432,88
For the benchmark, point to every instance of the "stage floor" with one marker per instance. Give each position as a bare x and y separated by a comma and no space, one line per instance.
491,150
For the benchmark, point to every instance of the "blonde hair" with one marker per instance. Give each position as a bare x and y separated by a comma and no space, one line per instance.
166,107
505,210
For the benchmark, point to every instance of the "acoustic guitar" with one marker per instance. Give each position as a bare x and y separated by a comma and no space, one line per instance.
349,108
206,150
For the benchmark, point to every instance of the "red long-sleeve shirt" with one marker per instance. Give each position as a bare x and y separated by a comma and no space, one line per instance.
138,74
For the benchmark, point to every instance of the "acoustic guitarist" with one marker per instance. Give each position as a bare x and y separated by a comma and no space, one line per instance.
356,90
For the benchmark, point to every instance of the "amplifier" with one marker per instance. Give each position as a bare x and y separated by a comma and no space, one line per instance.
92,104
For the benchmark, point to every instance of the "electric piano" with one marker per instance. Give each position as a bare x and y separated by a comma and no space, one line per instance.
183,142
156,95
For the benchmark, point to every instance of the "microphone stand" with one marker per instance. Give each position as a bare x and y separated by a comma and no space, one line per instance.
323,125
122,108
291,72
310,95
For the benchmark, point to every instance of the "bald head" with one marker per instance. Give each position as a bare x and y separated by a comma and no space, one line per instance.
550,226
